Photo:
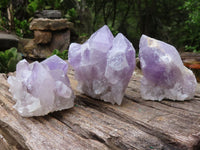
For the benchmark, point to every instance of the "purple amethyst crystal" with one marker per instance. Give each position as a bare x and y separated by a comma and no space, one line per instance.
103,65
40,88
165,76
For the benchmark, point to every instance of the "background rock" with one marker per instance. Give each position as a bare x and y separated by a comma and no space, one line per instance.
50,24
49,34
192,61
42,37
8,41
60,40
52,14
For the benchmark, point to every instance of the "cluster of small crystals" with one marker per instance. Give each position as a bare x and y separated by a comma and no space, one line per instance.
165,76
103,65
40,88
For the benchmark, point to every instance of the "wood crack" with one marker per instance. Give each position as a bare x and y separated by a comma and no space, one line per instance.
14,139
86,134
94,124
167,139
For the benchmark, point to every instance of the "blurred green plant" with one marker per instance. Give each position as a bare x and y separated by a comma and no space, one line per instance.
176,22
43,4
189,48
21,27
113,30
11,20
192,25
8,60
33,6
63,54
72,15
3,23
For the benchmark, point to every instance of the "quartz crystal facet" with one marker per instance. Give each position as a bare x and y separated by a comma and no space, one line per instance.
40,88
165,76
103,65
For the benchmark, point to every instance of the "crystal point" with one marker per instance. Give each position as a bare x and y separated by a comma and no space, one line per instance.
103,65
40,88
165,76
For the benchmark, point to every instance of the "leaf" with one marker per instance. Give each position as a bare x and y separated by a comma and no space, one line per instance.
47,7
12,65
2,68
9,59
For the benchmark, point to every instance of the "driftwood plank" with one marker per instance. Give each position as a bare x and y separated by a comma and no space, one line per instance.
38,133
94,124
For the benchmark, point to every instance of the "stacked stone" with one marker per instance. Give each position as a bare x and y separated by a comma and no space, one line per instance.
45,29
49,34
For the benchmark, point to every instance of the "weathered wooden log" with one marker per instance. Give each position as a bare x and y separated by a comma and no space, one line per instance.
94,124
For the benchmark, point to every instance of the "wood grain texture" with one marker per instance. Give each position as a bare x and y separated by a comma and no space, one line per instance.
94,124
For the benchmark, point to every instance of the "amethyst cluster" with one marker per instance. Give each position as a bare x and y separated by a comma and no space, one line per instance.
40,88
103,65
165,76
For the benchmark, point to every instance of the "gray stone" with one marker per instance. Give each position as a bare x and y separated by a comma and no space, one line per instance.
51,14
60,40
42,37
50,24
8,41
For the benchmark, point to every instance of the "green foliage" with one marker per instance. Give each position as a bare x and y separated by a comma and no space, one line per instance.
4,3
8,60
193,7
34,5
63,54
21,27
113,30
192,25
72,15
15,23
22,11
43,4
191,48
175,22
3,23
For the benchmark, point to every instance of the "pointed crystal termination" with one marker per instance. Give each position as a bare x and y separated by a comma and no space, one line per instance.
40,88
165,76
103,65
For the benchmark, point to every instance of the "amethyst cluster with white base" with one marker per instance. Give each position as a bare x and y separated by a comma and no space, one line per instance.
165,76
40,88
103,65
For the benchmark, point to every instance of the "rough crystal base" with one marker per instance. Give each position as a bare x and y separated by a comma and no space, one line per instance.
165,76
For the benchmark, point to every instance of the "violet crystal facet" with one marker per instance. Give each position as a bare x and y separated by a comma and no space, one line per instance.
165,76
103,65
40,88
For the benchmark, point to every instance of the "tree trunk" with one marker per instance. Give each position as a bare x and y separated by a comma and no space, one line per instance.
11,17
